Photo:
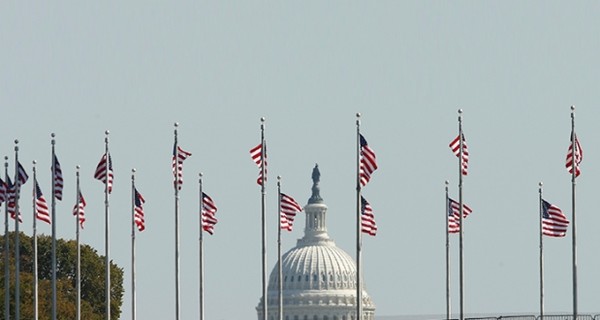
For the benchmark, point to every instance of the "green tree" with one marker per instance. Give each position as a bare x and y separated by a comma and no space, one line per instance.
92,280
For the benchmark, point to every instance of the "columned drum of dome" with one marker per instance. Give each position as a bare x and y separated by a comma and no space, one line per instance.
319,279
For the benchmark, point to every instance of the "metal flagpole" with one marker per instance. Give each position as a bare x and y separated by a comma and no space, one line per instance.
359,308
77,228
447,257
541,256
6,245
263,216
107,228
574,225
35,247
53,142
460,227
133,302
201,248
17,244
279,268
176,184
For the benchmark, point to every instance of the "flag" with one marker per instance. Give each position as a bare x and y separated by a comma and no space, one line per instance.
41,206
179,155
368,162
455,208
257,155
453,218
209,209
21,175
578,156
287,212
138,216
368,224
554,222
79,209
105,169
58,179
3,193
455,146
11,196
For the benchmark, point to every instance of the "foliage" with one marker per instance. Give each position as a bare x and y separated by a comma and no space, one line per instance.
92,280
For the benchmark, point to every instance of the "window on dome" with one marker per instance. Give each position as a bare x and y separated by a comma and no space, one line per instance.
285,279
306,278
299,278
296,318
315,277
315,318
287,317
292,279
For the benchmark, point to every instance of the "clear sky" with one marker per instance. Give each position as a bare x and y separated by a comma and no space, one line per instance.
134,68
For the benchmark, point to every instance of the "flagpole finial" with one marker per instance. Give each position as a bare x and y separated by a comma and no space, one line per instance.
541,184
447,182
200,176
262,119
106,132
52,135
176,124
278,178
572,108
34,162
358,114
133,170
460,111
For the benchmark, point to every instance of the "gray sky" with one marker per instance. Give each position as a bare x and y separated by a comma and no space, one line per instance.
134,68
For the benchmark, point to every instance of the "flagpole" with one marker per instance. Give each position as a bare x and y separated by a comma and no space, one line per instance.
359,308
263,216
279,268
35,248
460,200
541,256
6,245
107,227
17,244
53,142
77,227
574,225
133,297
447,257
176,184
201,248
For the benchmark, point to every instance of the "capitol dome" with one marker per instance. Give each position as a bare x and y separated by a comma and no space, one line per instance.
319,279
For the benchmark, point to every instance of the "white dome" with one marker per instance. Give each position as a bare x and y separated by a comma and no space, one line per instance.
319,279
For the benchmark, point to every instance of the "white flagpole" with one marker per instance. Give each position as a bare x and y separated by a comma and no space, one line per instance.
133,295
53,142
6,249
35,247
574,166
77,228
17,244
201,249
541,255
359,308
279,268
460,200
107,228
176,184
263,217
447,257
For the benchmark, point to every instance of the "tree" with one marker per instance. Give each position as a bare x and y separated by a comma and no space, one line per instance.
92,280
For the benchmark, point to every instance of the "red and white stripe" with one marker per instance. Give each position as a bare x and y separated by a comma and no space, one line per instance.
138,211
368,162
179,155
368,224
257,156
79,209
455,146
578,157
554,222
104,171
209,210
58,180
287,212
41,206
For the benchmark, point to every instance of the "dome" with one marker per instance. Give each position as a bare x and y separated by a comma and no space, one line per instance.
318,278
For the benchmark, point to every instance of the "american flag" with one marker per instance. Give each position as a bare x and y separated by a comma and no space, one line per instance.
455,208
368,161
179,155
3,194
287,212
368,224
11,195
21,175
58,179
453,217
138,216
257,155
455,146
79,209
554,222
105,169
41,206
578,156
209,209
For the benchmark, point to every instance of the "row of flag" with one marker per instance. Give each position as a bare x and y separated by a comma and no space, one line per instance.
289,207
554,222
